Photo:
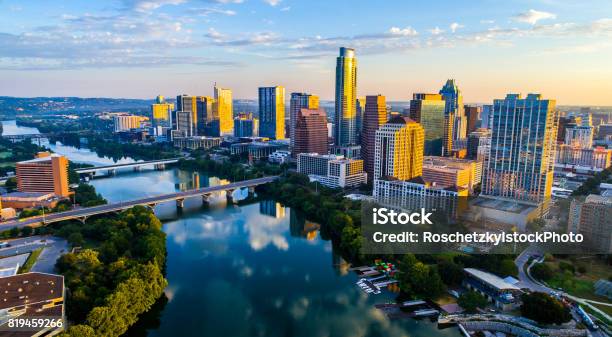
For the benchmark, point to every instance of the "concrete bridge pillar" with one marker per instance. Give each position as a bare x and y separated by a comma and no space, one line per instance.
180,203
160,167
111,172
251,191
205,199
137,168
229,197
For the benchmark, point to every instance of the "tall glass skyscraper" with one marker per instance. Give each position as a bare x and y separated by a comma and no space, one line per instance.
454,105
345,121
298,102
374,117
272,112
224,109
521,160
428,110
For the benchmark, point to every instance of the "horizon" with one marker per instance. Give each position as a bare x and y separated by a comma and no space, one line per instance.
137,48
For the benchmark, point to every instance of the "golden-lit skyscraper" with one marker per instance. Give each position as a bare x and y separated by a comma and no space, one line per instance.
345,121
399,149
272,112
224,109
161,111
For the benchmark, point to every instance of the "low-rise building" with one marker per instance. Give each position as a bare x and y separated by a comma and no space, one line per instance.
197,142
34,295
22,200
280,157
332,170
503,295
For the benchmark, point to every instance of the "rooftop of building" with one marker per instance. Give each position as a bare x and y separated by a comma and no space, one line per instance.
28,195
503,204
490,279
41,158
30,288
398,119
599,199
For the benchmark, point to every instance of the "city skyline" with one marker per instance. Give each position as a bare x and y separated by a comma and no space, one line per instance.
141,48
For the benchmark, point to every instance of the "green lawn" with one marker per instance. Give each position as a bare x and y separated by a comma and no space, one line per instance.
30,261
5,154
580,285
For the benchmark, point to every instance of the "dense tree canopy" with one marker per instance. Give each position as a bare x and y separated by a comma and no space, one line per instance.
544,309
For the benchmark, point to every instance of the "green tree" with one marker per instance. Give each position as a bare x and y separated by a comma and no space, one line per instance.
542,271
80,330
470,301
544,309
451,273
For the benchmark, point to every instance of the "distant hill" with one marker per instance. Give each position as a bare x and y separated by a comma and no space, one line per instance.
40,106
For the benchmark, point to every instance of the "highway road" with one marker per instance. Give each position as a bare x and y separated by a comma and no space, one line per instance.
108,208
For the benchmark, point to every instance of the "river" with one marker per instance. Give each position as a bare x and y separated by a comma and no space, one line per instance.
253,270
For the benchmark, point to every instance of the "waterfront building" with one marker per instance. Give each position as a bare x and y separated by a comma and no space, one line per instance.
472,114
504,295
332,171
399,149
345,123
245,125
429,111
161,112
479,144
125,122
223,109
583,160
591,218
196,142
310,132
374,117
47,173
579,136
298,102
259,149
523,143
272,112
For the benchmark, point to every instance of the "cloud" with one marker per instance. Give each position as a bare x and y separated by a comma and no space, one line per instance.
273,3
205,11
285,9
436,31
454,26
149,5
408,31
532,16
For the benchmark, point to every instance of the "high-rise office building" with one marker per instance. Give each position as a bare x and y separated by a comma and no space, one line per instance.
184,124
428,110
523,143
399,149
189,104
245,125
310,132
579,136
208,120
127,122
345,121
298,102
472,114
47,173
454,105
161,112
591,218
272,112
479,144
359,112
374,116
224,109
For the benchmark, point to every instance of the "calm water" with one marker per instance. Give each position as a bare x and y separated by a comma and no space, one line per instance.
254,270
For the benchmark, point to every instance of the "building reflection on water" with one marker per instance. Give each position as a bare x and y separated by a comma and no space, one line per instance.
194,180
300,227
272,208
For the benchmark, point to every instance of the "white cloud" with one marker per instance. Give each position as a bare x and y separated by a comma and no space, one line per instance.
454,26
532,16
408,31
272,2
285,9
436,31
149,5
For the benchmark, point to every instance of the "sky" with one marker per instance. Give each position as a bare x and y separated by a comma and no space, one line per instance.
142,48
